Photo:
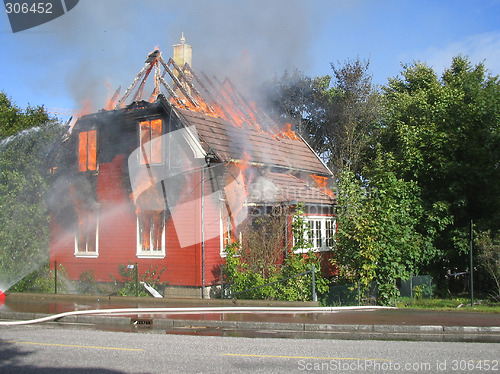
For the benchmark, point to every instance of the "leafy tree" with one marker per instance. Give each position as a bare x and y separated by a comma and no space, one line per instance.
489,256
443,134
352,111
264,241
14,120
377,231
335,115
27,135
299,100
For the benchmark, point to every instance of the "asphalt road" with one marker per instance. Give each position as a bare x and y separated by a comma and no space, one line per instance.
53,349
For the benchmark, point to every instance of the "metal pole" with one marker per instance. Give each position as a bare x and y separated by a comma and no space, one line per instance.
136,280
222,281
471,265
314,296
55,277
203,233
359,296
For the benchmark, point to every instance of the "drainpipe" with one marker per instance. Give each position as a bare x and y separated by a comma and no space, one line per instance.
203,232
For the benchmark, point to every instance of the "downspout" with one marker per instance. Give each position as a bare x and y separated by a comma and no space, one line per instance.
203,232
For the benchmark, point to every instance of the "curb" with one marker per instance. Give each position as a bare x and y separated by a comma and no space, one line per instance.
282,329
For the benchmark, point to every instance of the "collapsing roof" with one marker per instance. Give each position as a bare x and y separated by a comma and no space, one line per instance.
226,127
231,143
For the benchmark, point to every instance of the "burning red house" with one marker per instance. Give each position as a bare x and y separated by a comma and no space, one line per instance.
167,181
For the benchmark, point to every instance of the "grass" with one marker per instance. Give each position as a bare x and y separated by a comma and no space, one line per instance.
455,304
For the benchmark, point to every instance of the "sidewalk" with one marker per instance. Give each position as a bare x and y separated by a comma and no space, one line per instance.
213,317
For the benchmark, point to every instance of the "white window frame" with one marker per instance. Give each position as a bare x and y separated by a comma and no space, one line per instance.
88,254
319,225
221,232
150,253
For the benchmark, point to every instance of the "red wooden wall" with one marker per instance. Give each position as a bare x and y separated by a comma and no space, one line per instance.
117,239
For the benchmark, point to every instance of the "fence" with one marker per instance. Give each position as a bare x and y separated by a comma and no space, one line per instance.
353,294
110,278
132,280
417,287
226,291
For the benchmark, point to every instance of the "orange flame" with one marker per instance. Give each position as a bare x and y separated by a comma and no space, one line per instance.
288,133
110,100
236,190
322,182
86,108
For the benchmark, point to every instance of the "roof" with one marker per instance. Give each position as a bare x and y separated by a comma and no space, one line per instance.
227,127
272,187
227,124
231,143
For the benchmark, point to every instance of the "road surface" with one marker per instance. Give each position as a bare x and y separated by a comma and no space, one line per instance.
54,349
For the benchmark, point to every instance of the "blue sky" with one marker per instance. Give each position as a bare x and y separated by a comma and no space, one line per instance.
101,44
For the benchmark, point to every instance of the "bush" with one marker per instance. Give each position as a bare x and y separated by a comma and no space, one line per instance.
41,280
132,288
248,280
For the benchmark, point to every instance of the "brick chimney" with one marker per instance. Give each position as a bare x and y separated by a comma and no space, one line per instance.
183,54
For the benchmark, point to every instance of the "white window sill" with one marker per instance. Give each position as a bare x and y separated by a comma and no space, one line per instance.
150,255
87,255
324,249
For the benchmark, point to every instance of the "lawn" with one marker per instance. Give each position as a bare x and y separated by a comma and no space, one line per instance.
462,304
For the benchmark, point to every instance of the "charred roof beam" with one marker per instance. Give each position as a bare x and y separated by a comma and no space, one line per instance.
202,85
186,79
178,83
214,99
150,60
138,93
171,92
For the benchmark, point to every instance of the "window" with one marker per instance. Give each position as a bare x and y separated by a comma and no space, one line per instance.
87,150
225,231
86,239
151,233
150,142
330,228
316,233
322,232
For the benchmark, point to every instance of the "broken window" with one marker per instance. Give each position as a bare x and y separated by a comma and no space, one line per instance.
151,232
87,150
225,228
150,142
86,235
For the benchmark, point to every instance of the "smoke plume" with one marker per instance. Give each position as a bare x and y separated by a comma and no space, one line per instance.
108,41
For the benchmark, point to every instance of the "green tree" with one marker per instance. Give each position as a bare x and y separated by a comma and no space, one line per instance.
352,111
335,114
443,134
377,231
300,100
26,136
489,259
